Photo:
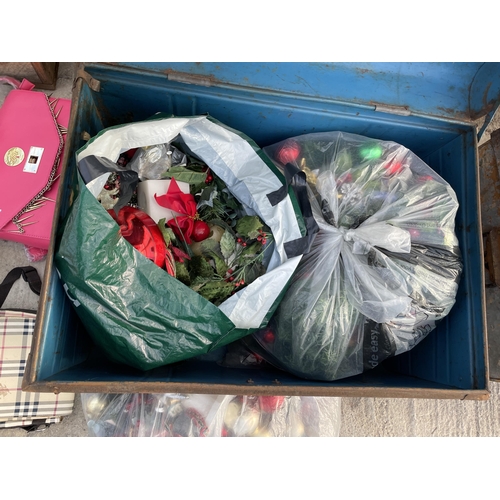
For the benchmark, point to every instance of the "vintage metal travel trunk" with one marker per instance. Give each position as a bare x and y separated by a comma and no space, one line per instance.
430,108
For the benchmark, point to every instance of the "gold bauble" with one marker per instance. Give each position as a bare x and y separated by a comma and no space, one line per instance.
94,406
233,411
262,431
247,423
297,427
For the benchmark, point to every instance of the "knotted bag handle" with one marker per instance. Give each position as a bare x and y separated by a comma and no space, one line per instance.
296,178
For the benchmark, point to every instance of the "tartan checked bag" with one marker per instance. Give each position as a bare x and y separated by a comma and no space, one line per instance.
18,408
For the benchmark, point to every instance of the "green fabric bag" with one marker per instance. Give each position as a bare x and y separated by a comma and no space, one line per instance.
135,311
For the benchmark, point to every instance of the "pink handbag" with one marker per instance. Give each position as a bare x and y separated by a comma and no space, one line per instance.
32,137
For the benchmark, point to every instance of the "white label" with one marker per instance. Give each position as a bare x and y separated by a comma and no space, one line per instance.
33,160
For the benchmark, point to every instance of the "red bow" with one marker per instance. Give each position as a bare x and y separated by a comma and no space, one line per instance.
182,203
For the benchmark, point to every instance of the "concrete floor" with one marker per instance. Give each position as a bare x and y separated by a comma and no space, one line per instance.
360,416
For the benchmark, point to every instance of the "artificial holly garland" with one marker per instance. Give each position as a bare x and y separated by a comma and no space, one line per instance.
215,247
225,252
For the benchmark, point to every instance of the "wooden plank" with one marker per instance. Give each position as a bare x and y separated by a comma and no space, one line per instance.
47,73
42,74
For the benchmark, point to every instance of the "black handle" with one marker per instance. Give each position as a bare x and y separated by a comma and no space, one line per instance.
29,274
297,179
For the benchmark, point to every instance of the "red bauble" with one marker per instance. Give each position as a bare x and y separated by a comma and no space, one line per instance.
394,167
426,178
201,231
271,403
288,152
268,337
347,177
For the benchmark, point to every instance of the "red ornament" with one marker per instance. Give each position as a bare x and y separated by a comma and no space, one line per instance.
288,152
426,178
271,403
179,255
141,231
268,337
393,167
201,231
181,203
347,177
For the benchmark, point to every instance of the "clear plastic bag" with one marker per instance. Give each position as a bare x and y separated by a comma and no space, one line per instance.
203,415
151,162
384,267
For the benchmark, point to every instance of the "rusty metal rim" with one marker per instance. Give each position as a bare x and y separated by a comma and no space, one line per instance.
481,252
32,361
225,389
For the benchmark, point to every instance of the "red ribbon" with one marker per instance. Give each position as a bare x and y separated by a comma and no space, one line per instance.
182,203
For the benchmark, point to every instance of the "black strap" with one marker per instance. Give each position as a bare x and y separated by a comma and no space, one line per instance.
29,274
297,179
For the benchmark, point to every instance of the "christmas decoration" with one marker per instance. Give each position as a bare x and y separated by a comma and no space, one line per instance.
393,167
201,231
94,405
288,152
383,269
143,234
151,162
371,152
204,415
206,240
184,204
224,248
271,403
148,190
110,192
154,318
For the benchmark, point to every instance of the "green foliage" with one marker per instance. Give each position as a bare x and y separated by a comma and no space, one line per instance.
198,266
248,226
227,245
182,274
167,233
185,174
236,260
216,291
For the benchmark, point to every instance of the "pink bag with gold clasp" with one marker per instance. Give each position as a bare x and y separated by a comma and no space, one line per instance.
32,137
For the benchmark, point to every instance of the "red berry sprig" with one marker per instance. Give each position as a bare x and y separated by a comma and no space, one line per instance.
209,178
263,237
